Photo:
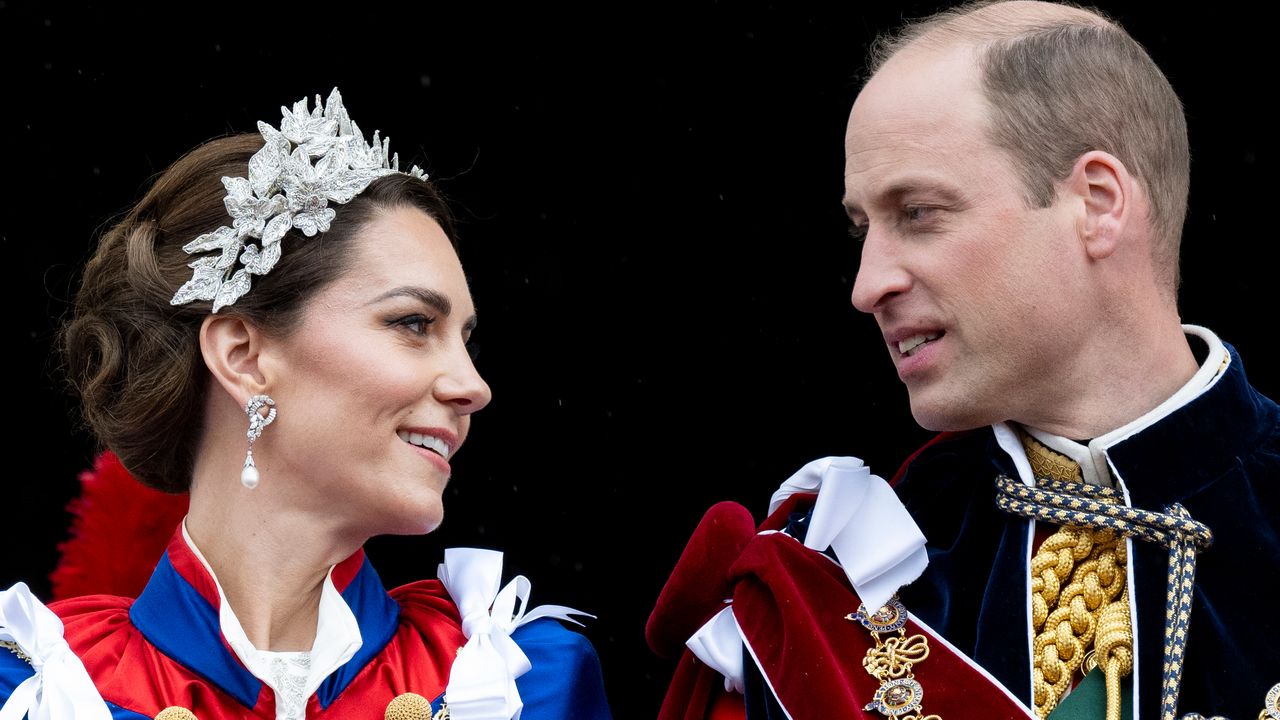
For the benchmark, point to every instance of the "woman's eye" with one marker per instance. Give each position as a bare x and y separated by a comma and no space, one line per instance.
416,324
473,348
858,232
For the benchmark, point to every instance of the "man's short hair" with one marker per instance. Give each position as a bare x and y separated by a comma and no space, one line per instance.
1061,81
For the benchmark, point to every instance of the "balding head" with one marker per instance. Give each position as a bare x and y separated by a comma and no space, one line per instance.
1061,81
980,24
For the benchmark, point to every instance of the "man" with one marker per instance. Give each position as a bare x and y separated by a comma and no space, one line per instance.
1018,175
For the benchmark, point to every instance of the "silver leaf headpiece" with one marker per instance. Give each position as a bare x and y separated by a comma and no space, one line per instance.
285,189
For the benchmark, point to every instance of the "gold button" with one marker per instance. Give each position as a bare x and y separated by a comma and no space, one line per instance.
409,706
173,712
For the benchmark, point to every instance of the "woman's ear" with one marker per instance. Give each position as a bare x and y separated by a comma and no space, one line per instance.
232,348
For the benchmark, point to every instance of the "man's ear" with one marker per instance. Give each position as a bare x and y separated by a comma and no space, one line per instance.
1106,191
232,348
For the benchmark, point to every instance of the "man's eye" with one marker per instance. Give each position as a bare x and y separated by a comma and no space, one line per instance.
473,349
916,213
858,232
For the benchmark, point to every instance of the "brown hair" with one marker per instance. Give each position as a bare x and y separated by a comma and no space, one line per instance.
1063,80
135,360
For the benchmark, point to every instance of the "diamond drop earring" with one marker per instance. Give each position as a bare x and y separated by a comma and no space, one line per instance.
249,476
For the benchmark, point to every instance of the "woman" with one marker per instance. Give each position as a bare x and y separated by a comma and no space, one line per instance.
280,327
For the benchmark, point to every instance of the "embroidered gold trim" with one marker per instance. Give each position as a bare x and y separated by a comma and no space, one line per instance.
16,650
1046,462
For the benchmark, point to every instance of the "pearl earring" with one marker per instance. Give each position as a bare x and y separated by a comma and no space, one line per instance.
249,475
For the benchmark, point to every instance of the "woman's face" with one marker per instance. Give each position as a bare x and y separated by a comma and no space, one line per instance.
375,388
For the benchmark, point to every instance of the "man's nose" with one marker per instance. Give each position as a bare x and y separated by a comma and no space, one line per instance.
881,274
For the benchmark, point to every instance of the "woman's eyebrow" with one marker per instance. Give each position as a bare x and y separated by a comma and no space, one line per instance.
429,297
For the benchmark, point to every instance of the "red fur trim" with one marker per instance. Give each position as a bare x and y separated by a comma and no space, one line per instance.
119,530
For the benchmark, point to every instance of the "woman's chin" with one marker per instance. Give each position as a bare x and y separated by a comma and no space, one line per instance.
419,523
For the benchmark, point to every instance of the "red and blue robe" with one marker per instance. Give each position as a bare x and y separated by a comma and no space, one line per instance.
166,648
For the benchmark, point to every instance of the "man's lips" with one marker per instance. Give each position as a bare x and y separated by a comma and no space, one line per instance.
904,341
909,345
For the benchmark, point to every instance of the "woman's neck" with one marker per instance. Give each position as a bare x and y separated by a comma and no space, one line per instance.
270,560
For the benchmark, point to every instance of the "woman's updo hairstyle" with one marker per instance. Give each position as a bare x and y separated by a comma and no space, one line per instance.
134,359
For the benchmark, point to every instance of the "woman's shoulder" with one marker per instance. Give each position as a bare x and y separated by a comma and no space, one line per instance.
426,602
75,643
565,680
92,618
99,631
428,615
486,628
427,607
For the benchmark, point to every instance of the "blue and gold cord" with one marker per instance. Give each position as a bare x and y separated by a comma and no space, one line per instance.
1072,503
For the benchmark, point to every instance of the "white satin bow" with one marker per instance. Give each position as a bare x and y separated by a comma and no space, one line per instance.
857,515
61,688
861,519
482,682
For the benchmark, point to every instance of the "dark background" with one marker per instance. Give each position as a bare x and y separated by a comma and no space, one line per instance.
650,197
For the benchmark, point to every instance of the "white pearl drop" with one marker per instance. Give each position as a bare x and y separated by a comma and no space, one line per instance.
249,477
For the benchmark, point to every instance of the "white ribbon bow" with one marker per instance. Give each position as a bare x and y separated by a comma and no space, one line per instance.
857,515
61,688
482,682
861,519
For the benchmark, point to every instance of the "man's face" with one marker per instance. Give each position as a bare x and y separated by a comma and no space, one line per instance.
973,290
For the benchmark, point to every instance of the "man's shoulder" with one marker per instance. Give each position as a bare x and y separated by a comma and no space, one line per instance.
944,460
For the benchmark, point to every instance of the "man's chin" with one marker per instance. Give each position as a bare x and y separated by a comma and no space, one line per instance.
942,416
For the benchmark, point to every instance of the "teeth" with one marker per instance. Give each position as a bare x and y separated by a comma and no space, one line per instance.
907,346
429,442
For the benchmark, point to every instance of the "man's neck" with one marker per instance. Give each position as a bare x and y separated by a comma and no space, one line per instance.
1116,383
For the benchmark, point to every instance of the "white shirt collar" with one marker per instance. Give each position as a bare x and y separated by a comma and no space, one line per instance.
337,632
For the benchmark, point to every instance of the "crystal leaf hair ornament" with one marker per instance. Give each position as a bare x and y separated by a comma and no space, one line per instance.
317,157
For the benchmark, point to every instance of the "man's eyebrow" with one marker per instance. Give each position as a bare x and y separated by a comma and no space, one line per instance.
427,296
895,192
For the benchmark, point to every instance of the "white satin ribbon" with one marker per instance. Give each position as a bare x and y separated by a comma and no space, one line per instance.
857,515
482,682
60,688
861,519
718,644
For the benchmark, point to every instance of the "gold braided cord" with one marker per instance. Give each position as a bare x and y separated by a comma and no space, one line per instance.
1078,599
1114,650
1080,573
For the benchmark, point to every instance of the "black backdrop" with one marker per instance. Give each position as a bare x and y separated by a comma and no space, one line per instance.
650,197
